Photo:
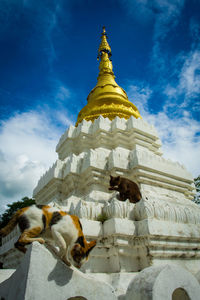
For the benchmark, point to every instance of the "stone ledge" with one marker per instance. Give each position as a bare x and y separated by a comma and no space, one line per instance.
119,226
156,283
168,229
88,130
42,276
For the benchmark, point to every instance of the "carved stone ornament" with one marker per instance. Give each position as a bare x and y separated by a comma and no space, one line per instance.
88,210
118,209
154,208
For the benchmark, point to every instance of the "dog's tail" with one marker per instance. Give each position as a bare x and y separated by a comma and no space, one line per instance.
11,224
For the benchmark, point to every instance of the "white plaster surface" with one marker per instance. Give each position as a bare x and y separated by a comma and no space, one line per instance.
164,227
5,274
119,226
87,154
119,281
42,276
159,283
197,275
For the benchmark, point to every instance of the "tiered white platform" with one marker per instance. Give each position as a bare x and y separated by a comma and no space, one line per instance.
163,228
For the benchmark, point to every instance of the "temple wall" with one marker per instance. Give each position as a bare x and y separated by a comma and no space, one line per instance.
162,228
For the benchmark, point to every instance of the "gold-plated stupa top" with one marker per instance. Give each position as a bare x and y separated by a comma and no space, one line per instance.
107,98
104,46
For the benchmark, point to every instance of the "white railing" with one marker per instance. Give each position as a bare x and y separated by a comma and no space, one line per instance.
9,240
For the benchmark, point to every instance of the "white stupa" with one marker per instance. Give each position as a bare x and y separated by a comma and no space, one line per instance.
147,250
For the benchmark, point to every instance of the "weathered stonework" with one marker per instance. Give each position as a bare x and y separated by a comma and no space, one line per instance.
87,154
164,227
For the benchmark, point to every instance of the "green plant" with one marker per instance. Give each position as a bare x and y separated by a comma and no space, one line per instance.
12,208
102,218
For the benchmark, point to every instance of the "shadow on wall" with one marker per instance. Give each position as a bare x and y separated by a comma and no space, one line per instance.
58,277
77,298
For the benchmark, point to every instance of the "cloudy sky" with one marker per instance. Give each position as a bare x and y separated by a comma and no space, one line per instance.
48,66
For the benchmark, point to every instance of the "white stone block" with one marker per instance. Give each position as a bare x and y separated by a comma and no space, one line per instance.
92,229
67,134
95,158
118,209
119,226
197,275
167,209
119,281
119,158
5,274
88,210
159,164
141,126
100,196
129,148
118,124
43,276
83,128
166,228
101,124
73,164
164,282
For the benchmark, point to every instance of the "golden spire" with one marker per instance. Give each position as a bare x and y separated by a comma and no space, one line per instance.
104,46
107,98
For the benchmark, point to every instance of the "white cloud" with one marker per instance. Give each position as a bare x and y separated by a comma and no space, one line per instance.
166,18
62,98
140,9
42,18
63,93
27,149
165,15
63,119
195,29
139,94
187,87
190,75
180,138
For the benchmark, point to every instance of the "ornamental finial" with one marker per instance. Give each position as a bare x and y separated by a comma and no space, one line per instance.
104,46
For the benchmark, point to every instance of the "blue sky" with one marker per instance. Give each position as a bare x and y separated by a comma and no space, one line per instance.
48,66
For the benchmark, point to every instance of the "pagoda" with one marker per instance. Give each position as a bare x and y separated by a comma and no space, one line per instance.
147,250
